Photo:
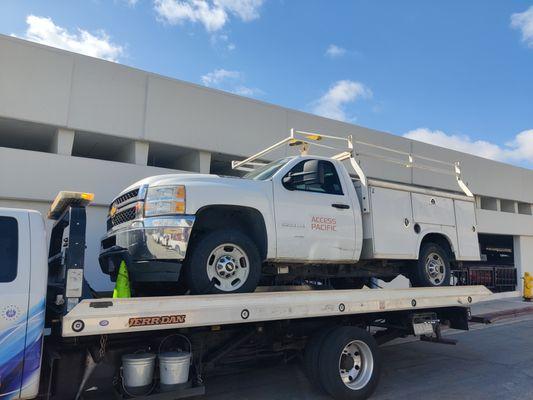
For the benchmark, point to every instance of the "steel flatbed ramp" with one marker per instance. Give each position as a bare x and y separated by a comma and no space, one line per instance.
107,316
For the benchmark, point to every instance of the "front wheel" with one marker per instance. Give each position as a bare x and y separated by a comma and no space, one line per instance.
349,363
432,268
223,261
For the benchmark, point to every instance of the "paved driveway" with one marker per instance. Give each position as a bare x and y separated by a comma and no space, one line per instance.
494,362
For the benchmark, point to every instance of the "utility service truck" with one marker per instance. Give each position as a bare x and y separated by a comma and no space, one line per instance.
298,218
59,339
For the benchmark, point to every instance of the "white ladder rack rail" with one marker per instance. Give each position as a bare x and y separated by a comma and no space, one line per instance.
305,140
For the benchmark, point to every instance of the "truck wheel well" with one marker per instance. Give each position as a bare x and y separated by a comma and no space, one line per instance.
441,240
247,219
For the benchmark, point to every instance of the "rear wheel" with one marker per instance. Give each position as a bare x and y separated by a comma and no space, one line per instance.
223,261
432,267
349,363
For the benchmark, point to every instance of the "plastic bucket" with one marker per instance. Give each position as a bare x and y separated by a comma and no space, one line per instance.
138,371
174,368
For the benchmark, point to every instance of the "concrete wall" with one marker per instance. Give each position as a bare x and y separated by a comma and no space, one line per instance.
50,86
32,179
523,248
128,114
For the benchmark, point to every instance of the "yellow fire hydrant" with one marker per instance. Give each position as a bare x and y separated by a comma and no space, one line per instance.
528,286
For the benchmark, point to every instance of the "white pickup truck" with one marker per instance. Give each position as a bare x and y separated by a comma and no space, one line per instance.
298,218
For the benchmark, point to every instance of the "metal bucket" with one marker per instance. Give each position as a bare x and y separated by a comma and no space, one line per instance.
138,372
174,368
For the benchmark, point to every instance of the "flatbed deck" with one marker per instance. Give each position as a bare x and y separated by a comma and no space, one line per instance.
110,316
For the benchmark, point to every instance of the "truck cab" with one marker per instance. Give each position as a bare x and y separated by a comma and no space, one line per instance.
23,277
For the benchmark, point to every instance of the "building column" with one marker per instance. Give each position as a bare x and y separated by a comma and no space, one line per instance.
63,142
523,257
135,152
195,161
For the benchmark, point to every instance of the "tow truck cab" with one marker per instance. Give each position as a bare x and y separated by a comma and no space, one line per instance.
23,277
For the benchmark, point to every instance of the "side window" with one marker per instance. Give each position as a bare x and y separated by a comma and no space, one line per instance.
9,237
313,176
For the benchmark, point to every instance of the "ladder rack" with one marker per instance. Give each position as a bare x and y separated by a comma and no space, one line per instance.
348,151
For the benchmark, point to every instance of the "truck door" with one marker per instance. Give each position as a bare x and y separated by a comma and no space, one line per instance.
314,214
14,298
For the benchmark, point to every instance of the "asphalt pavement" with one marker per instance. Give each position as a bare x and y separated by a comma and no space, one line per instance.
490,362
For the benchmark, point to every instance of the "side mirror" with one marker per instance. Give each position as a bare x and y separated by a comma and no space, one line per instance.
289,181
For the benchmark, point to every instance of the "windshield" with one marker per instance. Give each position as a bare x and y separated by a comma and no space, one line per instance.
266,171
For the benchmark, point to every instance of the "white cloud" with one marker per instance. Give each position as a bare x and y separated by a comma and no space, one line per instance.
247,91
230,81
216,77
334,51
524,22
43,30
247,10
332,104
222,41
520,149
212,14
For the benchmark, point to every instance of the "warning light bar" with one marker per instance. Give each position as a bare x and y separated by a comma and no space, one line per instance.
65,199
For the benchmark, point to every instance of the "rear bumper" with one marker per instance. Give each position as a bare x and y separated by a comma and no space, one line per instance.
153,248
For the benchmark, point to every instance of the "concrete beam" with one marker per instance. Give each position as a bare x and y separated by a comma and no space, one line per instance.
523,257
63,142
195,161
135,153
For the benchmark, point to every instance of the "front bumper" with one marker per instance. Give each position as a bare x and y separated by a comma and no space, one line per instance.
153,248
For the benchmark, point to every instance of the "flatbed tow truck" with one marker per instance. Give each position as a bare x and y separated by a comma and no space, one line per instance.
62,340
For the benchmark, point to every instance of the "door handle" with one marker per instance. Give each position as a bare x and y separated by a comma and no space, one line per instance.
341,206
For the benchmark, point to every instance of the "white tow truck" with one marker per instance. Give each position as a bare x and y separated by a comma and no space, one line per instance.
303,217
61,340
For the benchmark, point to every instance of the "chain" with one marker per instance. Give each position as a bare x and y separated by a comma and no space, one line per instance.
103,345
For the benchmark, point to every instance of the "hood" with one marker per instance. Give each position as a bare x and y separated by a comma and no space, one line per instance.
184,179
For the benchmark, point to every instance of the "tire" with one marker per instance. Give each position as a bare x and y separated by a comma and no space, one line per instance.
438,274
349,351
311,354
223,261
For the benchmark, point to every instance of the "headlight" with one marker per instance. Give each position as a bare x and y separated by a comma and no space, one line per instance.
162,200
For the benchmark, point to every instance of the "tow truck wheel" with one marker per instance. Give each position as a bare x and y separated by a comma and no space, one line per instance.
432,267
312,352
349,363
223,261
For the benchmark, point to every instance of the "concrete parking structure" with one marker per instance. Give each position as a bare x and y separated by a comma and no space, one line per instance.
69,121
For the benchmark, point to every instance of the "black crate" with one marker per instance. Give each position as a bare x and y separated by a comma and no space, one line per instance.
495,277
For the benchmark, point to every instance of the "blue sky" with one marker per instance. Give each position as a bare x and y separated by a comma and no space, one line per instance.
454,73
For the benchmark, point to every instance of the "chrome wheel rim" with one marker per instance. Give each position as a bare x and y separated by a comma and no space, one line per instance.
356,365
435,269
228,267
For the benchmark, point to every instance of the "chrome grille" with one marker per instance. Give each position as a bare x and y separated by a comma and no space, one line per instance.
123,216
132,194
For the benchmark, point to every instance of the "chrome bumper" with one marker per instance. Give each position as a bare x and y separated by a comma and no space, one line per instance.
149,239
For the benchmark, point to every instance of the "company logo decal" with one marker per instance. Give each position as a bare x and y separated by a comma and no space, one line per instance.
327,224
160,320
113,211
10,312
